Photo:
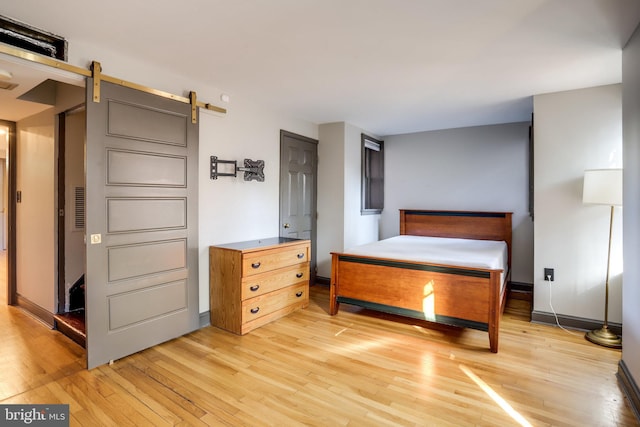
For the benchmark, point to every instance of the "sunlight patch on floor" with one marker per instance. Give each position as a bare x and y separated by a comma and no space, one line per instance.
496,397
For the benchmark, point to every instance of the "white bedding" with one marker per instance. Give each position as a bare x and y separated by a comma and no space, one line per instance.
489,254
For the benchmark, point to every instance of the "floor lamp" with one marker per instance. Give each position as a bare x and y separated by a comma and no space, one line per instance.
604,187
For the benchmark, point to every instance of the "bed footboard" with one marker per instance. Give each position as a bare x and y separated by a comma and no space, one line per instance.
458,296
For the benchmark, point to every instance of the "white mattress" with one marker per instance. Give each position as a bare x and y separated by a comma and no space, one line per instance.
489,254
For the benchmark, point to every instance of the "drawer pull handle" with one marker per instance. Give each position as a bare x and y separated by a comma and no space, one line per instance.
255,265
254,288
301,255
299,275
299,294
255,310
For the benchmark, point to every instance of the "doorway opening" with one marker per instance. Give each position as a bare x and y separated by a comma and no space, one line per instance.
71,265
31,193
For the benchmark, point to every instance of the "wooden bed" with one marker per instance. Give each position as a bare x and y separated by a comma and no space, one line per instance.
449,294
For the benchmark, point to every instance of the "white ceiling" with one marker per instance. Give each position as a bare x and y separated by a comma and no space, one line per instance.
388,66
27,77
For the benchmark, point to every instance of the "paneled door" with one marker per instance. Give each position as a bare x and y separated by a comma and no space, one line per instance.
142,224
298,188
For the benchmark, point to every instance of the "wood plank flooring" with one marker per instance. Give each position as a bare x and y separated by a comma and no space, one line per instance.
355,369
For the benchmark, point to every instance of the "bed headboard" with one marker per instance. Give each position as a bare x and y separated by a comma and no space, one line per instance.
461,224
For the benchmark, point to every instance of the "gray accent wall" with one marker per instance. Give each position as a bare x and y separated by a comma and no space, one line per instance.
476,168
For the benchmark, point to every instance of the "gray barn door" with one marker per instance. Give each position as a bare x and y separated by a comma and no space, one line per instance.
141,225
298,188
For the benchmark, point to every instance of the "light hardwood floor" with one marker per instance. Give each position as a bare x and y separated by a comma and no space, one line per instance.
355,369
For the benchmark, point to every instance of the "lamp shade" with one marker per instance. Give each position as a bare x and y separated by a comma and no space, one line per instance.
602,187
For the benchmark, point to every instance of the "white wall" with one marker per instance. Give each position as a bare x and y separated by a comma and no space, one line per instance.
631,286
3,203
232,209
574,131
331,171
36,215
340,224
481,168
358,228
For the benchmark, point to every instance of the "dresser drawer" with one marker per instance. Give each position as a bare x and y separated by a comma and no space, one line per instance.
259,262
260,284
268,303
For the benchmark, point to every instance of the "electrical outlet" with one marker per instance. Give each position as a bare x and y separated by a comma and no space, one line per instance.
548,274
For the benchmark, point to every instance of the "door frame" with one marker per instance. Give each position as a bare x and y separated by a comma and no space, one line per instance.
12,298
61,206
61,196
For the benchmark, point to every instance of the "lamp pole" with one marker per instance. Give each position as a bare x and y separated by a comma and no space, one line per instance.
604,336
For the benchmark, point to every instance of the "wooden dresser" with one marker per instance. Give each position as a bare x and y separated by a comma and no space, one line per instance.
255,282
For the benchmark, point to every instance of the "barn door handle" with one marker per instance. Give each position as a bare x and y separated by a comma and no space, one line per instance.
255,310
286,225
255,265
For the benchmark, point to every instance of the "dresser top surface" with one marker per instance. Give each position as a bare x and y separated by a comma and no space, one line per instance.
260,243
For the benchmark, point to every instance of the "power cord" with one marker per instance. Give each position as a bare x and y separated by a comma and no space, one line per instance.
554,311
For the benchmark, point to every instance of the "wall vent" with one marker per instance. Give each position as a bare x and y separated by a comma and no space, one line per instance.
23,36
79,208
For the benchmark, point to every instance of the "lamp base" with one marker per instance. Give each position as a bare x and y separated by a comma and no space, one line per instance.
604,337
